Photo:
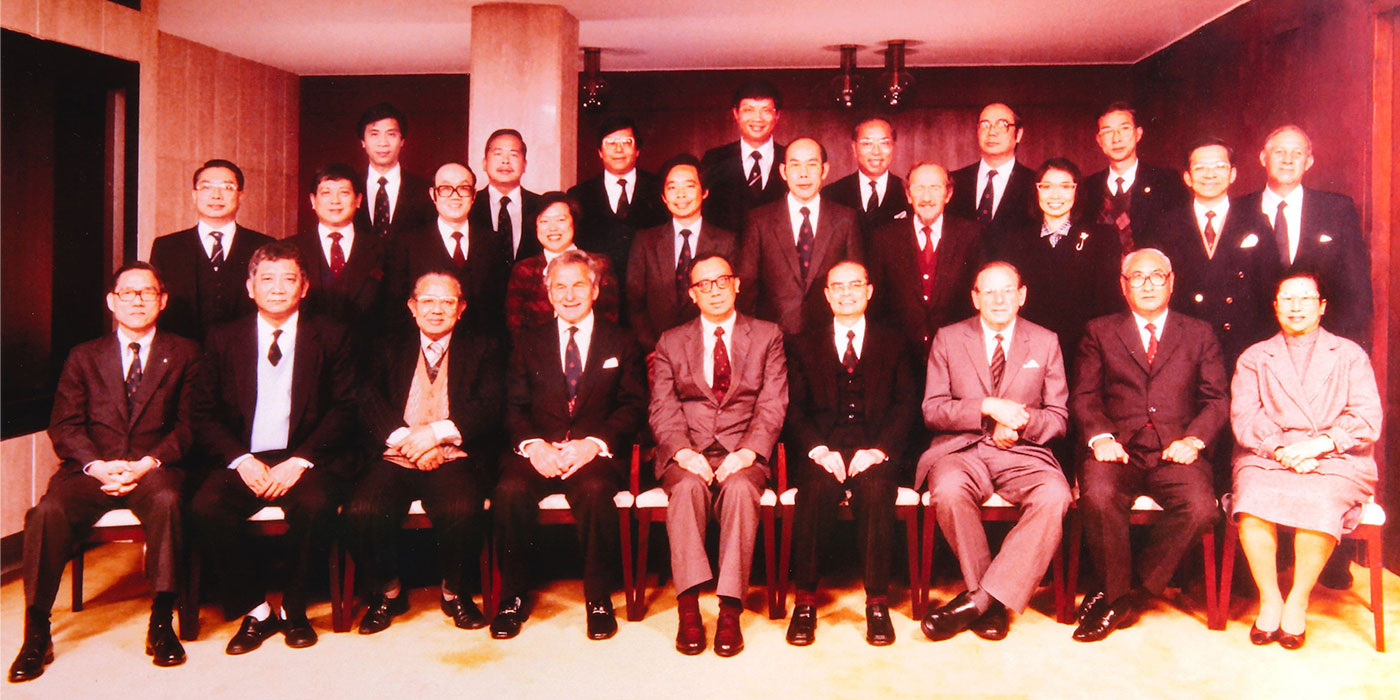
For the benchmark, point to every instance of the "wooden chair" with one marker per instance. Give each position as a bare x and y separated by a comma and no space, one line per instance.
121,525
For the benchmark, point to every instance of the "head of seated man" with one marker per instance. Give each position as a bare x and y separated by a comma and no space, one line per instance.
714,287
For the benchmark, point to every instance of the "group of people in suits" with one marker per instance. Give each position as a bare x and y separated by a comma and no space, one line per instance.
545,335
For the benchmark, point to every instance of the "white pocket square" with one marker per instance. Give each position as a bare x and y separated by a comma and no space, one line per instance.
610,363
1324,238
901,215
1030,364
1249,241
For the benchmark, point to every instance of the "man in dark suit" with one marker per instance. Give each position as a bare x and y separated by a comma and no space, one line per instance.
740,173
995,396
923,266
345,263
273,409
450,242
853,402
120,426
996,191
431,404
718,397
790,245
658,271
872,191
576,391
620,201
503,206
1128,195
396,200
1149,396
203,268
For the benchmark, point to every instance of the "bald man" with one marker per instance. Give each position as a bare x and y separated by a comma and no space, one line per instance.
996,191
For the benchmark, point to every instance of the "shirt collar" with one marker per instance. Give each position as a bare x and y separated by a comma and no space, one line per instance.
988,333
937,225
394,176
126,339
1129,176
795,207
496,195
227,229
727,324
288,327
1270,199
859,328
1003,170
446,229
585,325
325,231
676,227
766,150
1220,209
424,340
1160,322
1061,230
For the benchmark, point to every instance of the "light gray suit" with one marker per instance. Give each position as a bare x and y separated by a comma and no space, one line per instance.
685,413
964,468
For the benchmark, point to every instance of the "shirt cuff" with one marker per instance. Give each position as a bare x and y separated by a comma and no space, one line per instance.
602,446
812,453
446,432
304,462
525,445
88,466
1095,439
396,437
239,460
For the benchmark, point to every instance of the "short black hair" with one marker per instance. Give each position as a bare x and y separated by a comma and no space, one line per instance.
1210,141
337,171
383,110
1062,164
1118,106
711,256
218,163
618,123
682,159
284,249
855,129
131,266
549,199
758,90
1302,271
504,132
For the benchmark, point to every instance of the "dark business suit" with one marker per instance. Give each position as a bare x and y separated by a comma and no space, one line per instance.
453,493
480,219
874,406
899,302
608,405
774,287
1011,213
353,296
92,421
413,207
416,252
846,191
200,296
1154,192
1146,406
321,421
656,303
1330,241
727,179
600,230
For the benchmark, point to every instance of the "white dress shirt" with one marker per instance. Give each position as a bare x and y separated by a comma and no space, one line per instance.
1292,214
707,334
445,230
444,430
395,179
613,189
583,338
881,184
841,339
272,412
347,240
676,227
493,197
125,341
1003,176
795,214
1217,223
989,340
206,240
765,163
1129,177
935,232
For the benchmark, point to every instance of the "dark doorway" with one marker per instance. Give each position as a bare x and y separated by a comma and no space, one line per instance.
69,121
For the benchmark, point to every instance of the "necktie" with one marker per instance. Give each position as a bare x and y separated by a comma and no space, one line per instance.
381,207
1209,234
1151,342
433,355
928,263
683,263
874,202
505,229
756,175
133,373
998,365
274,353
216,256
573,366
984,207
458,259
848,360
622,203
1119,193
1115,213
805,240
720,384
1281,235
337,254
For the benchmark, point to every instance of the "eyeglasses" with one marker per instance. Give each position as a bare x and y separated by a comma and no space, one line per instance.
225,187
1207,168
147,294
875,143
624,142
1003,293
1048,187
722,282
1300,301
438,302
463,191
838,287
999,126
1156,277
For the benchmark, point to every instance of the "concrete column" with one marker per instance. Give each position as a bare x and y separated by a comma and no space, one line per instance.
524,75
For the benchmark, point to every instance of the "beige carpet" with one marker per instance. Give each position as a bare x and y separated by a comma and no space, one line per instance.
1169,654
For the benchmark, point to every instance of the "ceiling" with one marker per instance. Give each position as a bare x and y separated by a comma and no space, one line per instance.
384,37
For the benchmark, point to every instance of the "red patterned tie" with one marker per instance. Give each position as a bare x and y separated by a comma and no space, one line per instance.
984,207
1151,342
848,360
337,254
720,384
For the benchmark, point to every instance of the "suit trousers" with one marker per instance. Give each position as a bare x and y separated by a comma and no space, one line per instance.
1106,494
515,506
961,481
452,496
691,504
819,495
220,510
75,501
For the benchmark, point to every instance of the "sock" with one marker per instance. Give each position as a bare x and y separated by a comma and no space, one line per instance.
805,597
392,590
261,612
688,601
730,604
446,594
982,600
875,600
35,620
162,605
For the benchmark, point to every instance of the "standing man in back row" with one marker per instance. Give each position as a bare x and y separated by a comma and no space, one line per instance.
395,200
740,174
620,201
871,190
503,205
1129,195
996,191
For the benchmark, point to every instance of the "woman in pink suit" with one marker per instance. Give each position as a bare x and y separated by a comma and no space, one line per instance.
1306,414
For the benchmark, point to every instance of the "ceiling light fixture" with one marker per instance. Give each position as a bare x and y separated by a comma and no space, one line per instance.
592,88
895,80
846,86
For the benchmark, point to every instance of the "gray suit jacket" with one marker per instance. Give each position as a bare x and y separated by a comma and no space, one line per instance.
959,378
684,411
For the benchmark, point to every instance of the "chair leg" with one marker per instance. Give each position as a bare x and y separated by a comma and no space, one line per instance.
487,605
1374,548
1074,533
347,588
189,601
926,561
78,580
337,594
785,559
911,545
639,581
624,523
770,563
1227,574
1215,619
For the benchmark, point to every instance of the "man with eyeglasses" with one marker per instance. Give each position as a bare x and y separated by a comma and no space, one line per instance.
871,190
1128,195
621,200
450,243
719,394
394,198
1149,395
853,404
995,397
120,427
741,173
431,404
996,191
204,267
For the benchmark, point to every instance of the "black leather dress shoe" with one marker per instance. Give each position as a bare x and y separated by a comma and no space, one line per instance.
993,624
949,619
1092,606
381,613
252,633
34,655
464,613
802,631
1291,641
729,639
602,623
509,617
1121,613
298,632
690,634
879,630
163,646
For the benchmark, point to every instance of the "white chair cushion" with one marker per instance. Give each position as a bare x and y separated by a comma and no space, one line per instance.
119,517
416,508
996,501
1372,513
623,499
906,497
1145,502
554,501
768,499
652,498
268,514
789,497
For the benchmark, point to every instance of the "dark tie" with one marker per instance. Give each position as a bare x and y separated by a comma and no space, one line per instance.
505,229
805,240
756,176
683,263
848,360
1151,342
874,202
622,203
1209,234
573,366
1116,214
720,384
381,208
998,366
1281,234
337,254
216,256
1119,193
274,353
984,207
458,258
133,373
432,356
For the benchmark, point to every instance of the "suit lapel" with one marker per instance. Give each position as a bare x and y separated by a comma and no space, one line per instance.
109,364
245,359
1168,341
977,354
1320,367
304,368
1015,359
823,234
1310,228
1281,365
1132,343
781,232
599,349
695,341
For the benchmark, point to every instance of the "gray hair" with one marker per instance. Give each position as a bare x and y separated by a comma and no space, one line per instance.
1132,257
575,257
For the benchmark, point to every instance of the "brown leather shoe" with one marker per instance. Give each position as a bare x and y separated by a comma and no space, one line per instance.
729,640
690,634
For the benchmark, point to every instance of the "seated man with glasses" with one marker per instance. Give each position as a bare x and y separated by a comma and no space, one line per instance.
719,394
1149,395
996,190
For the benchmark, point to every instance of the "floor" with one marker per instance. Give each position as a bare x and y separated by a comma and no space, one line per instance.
1169,654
